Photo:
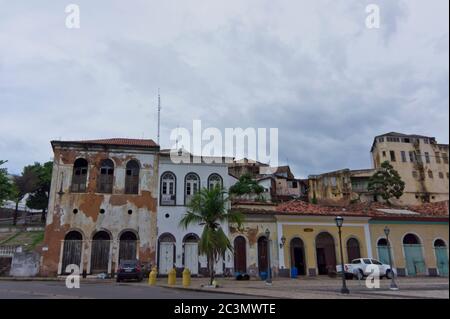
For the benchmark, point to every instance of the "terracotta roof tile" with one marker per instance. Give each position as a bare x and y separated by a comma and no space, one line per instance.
298,207
118,141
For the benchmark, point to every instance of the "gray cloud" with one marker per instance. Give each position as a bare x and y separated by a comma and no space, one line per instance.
311,69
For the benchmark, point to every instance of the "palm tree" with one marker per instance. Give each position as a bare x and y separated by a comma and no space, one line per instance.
208,207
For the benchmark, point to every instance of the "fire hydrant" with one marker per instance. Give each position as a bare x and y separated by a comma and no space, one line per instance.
186,277
172,277
152,277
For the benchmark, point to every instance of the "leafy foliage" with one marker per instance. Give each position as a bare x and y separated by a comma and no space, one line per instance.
386,182
208,207
5,184
38,199
246,185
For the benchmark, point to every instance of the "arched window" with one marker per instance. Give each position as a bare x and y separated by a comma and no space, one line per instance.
132,178
382,242
106,178
168,189
100,251
439,243
214,180
79,176
191,186
127,246
411,239
72,248
353,250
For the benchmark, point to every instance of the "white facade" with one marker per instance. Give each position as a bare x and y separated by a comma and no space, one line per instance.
177,246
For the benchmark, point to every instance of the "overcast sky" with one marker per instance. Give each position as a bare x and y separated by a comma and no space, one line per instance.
310,68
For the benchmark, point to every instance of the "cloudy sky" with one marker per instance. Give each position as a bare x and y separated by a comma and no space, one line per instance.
310,68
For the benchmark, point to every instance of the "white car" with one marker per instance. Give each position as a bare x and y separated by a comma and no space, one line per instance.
359,268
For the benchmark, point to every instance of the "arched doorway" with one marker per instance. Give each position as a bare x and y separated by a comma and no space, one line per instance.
240,255
191,253
100,252
298,255
73,245
127,246
353,250
326,254
262,254
440,249
415,264
166,258
383,251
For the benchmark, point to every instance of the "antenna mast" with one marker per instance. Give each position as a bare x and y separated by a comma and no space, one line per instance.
159,115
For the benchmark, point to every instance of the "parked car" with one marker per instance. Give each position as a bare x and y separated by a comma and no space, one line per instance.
359,268
130,269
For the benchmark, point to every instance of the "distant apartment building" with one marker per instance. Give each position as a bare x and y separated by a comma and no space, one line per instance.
279,183
421,162
340,187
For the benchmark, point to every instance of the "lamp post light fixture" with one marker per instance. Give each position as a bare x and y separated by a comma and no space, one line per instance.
339,221
283,241
393,285
269,277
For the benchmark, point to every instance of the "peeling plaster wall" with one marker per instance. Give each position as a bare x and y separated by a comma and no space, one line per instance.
252,230
88,220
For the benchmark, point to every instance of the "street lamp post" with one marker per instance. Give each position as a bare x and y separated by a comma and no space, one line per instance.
339,221
393,285
269,277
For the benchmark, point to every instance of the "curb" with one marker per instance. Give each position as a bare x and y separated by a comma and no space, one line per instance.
52,279
219,292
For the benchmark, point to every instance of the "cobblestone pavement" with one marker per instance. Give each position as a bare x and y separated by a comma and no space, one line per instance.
325,288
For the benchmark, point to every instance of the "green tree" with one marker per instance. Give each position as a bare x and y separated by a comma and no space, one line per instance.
5,184
208,207
39,198
386,182
23,184
246,185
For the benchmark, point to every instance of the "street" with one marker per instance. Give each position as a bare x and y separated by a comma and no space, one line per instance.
303,288
107,290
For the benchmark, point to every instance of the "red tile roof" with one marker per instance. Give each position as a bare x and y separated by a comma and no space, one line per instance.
298,207
117,142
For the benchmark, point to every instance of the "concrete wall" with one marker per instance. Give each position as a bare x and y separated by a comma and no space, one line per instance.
25,264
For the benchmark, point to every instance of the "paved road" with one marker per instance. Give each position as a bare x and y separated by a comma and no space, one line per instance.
58,290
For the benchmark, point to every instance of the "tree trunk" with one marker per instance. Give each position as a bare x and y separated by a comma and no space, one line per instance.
211,270
16,212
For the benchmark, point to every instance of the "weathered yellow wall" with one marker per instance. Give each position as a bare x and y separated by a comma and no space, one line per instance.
427,232
351,229
437,187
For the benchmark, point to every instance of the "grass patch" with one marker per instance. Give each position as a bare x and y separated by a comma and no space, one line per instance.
29,240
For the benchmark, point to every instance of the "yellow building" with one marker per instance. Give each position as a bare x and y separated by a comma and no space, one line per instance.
421,162
305,237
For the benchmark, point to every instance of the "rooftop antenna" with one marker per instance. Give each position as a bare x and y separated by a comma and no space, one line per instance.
178,126
159,115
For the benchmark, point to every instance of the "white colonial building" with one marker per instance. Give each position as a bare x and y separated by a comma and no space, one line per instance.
177,247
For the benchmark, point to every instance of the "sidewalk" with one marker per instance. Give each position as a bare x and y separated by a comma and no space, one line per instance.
321,288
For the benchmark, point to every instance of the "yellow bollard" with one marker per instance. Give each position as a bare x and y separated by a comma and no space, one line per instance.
172,277
152,277
186,277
